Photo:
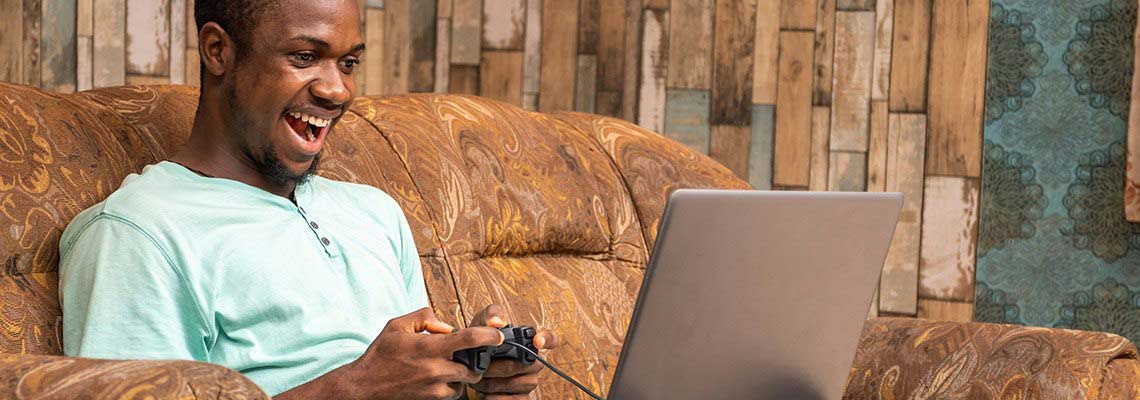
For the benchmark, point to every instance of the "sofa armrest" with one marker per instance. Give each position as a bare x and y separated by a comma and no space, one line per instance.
52,377
914,358
1122,381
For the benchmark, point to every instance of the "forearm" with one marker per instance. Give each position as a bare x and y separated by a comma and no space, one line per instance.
336,384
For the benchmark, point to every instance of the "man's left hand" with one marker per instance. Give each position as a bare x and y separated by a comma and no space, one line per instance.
509,379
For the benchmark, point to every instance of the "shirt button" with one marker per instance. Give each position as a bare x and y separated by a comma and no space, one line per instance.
314,225
326,241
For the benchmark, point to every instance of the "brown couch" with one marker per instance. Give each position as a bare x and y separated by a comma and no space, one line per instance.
550,215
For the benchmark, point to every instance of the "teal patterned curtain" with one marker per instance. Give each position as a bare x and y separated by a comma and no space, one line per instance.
1054,248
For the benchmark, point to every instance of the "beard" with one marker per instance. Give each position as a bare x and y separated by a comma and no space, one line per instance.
267,162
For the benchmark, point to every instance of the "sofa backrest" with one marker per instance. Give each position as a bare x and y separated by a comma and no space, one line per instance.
550,215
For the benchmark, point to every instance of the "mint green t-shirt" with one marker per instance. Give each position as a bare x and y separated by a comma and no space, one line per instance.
174,265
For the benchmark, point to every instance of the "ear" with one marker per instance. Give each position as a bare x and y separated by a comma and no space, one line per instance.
216,48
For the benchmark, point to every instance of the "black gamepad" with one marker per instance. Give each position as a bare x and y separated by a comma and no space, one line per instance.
479,359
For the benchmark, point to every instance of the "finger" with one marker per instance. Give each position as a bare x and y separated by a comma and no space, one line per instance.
500,396
521,384
494,316
417,321
476,336
452,372
546,340
443,391
509,368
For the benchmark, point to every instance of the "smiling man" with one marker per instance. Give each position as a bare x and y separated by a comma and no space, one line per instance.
232,252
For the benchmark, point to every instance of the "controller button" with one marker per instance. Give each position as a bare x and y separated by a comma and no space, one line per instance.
529,333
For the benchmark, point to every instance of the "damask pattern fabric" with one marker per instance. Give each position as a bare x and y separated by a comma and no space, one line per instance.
915,359
1054,247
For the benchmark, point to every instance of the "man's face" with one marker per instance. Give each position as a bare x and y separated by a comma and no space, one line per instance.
293,85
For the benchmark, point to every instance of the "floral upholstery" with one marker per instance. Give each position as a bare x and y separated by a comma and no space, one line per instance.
550,215
902,358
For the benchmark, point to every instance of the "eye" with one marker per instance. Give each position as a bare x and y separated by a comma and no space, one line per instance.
349,64
304,57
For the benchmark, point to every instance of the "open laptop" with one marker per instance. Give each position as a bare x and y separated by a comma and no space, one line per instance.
755,295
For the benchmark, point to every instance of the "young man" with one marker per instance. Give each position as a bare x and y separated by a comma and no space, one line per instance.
233,253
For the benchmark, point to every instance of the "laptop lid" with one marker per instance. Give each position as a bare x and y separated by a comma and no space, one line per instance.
757,295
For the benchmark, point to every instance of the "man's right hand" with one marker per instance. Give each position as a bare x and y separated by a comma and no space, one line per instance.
402,363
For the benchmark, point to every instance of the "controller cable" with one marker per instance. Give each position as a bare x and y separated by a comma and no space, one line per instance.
556,370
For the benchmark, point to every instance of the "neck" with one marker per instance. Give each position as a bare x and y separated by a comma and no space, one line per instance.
211,151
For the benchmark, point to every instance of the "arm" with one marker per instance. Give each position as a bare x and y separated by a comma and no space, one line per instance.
123,298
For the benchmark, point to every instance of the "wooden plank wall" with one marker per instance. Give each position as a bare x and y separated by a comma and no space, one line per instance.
841,95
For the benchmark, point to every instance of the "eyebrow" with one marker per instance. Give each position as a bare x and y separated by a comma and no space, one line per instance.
325,45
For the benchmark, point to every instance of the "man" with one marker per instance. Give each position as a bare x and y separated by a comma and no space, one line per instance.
233,253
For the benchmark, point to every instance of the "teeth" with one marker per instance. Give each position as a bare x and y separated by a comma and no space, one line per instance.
312,138
318,122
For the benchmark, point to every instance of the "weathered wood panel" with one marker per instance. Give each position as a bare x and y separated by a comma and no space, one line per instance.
909,55
443,8
85,17
33,28
793,110
690,45
632,56
938,310
611,56
396,65
654,67
854,56
856,5
766,60
133,79
442,55
732,63
949,238
877,147
422,76
825,31
559,55
820,153
11,41
589,15
500,75
884,30
504,24
957,106
906,140
760,155
585,94
193,67
687,118
83,63
1132,166
466,31
798,14
532,47
57,48
847,172
148,37
730,145
109,60
657,4
373,64
191,25
464,79
177,41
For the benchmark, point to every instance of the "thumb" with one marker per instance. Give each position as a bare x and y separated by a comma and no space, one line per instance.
420,320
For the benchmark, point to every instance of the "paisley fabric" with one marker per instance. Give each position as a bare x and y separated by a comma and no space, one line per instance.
550,215
916,359
50,377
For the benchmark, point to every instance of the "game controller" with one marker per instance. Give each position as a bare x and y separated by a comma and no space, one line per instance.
479,359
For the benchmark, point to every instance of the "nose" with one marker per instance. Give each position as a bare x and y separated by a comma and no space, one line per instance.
331,87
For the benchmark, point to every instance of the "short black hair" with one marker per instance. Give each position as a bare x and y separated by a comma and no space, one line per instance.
237,17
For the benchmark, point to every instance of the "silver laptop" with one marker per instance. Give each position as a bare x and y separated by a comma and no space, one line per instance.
755,295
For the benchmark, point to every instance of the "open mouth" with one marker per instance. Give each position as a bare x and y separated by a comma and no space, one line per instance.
309,128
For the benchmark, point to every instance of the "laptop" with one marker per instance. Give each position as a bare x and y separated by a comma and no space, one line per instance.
755,295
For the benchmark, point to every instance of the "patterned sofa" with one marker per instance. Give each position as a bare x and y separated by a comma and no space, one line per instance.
550,215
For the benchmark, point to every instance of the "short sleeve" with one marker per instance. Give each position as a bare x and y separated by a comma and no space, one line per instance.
122,298
411,268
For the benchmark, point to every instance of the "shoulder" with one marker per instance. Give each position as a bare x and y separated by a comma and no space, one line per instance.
356,195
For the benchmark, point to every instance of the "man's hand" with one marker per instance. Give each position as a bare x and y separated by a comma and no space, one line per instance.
509,379
402,363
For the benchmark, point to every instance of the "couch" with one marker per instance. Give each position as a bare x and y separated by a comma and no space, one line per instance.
550,215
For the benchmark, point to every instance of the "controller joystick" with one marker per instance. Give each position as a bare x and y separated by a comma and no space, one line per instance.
479,359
